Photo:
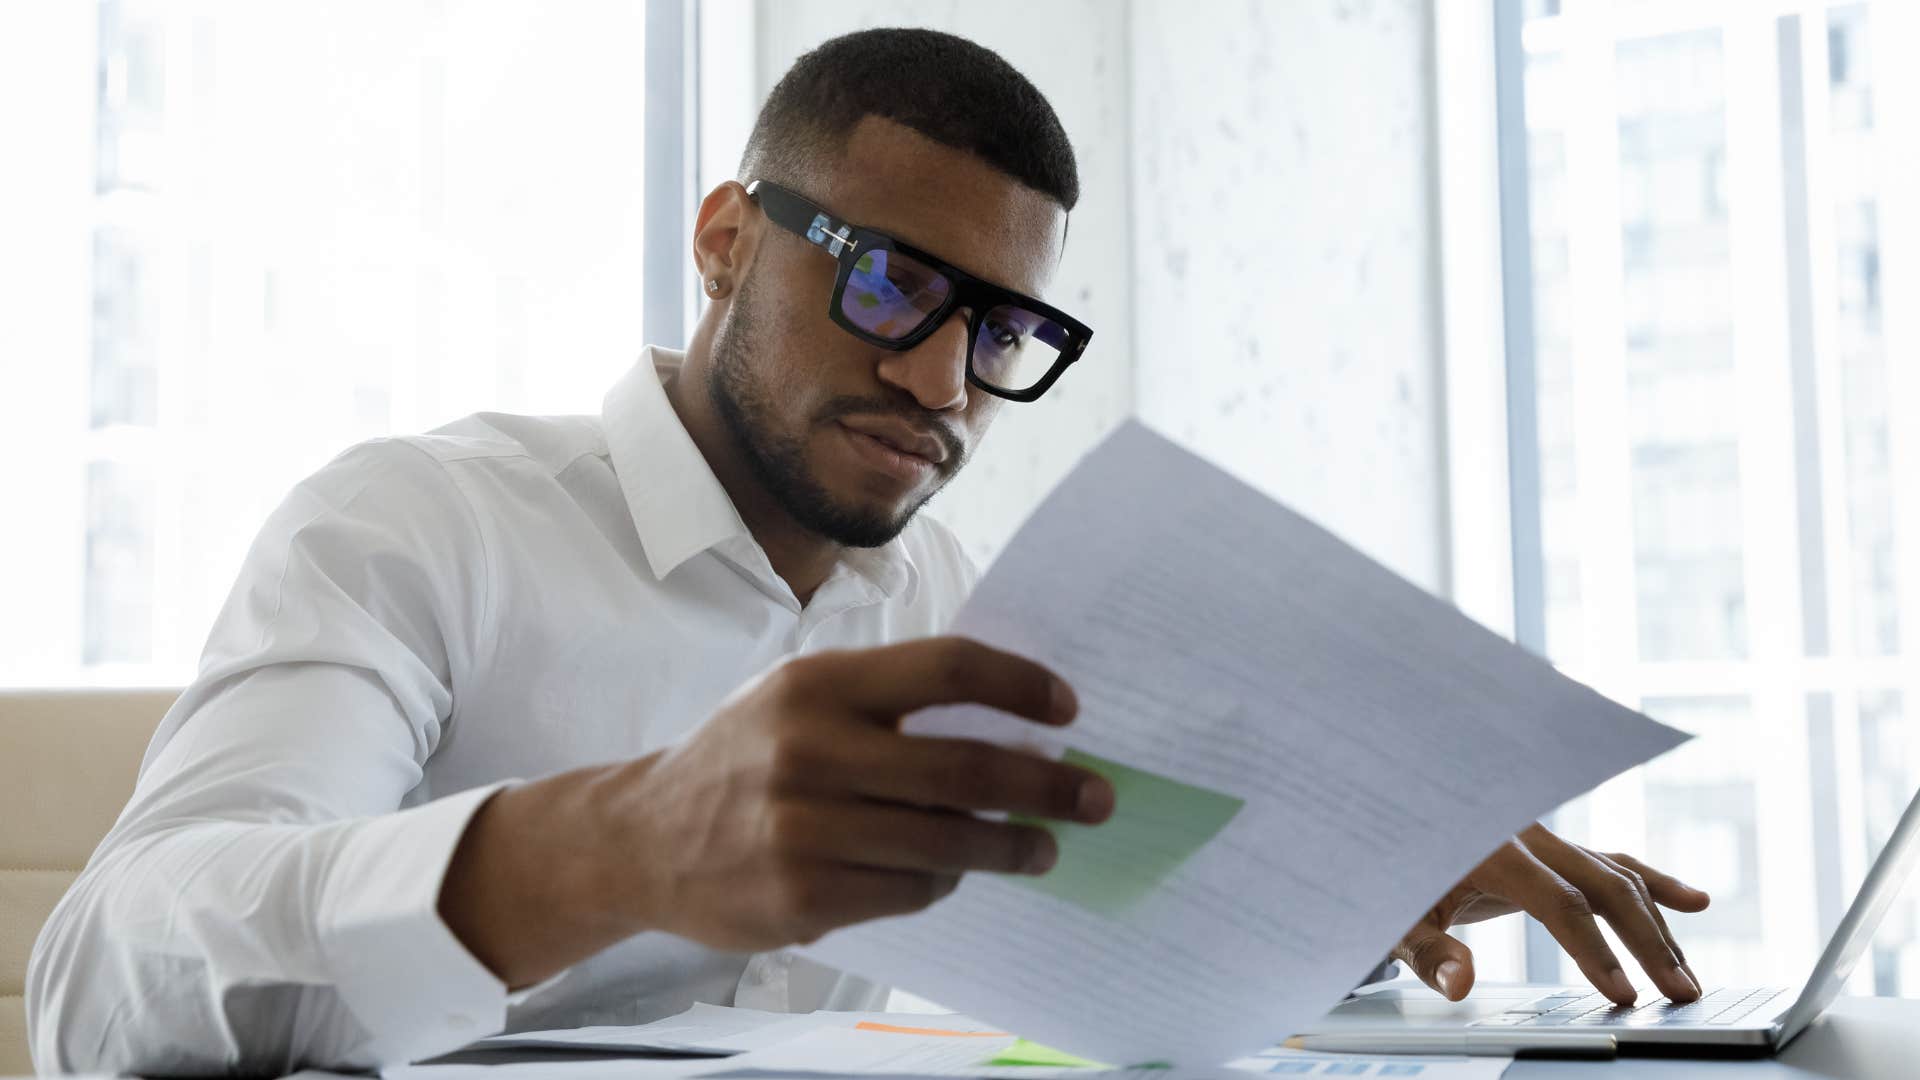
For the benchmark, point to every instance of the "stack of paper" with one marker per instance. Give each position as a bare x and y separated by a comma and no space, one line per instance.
707,1031
897,1046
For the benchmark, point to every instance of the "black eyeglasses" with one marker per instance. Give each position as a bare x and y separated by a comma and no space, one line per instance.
893,295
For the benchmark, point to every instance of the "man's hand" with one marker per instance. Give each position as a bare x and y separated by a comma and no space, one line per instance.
799,806
1565,886
796,808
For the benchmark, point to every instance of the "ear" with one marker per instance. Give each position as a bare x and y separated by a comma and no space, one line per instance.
725,233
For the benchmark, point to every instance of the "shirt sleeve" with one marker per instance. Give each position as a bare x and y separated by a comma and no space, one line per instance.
268,900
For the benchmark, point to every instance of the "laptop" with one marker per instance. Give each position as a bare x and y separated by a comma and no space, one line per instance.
1576,1021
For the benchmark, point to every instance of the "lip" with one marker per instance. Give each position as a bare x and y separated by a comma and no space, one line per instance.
901,438
883,457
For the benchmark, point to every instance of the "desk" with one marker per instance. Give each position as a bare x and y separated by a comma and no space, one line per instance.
1857,1039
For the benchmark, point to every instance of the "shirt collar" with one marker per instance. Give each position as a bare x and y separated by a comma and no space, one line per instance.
679,507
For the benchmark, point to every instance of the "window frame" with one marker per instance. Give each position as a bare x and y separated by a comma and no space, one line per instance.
1497,563
669,301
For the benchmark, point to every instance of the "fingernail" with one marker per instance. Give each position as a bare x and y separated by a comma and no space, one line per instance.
1042,857
1064,703
1681,976
1622,987
1448,975
1095,800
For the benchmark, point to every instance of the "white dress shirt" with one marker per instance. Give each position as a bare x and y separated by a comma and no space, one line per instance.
421,622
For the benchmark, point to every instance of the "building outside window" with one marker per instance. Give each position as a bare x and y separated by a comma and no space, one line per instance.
1725,448
308,226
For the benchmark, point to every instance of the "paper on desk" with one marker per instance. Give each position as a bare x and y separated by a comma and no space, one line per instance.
1283,1062
851,1052
684,1068
714,1031
1379,742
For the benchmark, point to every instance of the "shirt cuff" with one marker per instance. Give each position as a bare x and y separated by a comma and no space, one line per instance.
407,979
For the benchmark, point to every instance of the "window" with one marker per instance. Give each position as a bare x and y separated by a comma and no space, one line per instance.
1716,506
302,226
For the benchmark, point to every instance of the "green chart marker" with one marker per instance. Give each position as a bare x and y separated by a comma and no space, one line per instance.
1157,824
1023,1052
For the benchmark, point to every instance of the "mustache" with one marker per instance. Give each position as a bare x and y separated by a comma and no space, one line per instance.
918,418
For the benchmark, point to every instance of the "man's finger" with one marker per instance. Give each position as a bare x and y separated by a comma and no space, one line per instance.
1619,898
886,683
1653,911
829,897
1441,960
1616,893
1566,913
909,838
966,774
1665,888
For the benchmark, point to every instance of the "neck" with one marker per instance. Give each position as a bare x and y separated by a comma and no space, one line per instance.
803,559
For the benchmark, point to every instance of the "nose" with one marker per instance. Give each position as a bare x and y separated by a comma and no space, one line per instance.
934,371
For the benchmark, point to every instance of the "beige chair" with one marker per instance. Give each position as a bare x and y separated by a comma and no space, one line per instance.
67,765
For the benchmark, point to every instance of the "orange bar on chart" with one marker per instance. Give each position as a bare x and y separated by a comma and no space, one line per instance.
870,1025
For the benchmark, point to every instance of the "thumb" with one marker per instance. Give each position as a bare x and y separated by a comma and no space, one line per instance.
1441,960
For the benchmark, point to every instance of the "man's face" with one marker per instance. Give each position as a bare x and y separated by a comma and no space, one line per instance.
850,438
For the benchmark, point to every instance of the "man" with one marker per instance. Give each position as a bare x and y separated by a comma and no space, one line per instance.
675,615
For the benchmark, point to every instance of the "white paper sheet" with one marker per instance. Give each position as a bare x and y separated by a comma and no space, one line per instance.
615,1069
1284,1062
848,1051
1382,744
874,1056
712,1030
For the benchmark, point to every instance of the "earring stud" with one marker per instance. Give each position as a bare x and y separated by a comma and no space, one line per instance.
713,285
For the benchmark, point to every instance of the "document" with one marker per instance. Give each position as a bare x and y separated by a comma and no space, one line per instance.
719,1031
859,1052
864,1051
709,1030
1308,752
1283,1062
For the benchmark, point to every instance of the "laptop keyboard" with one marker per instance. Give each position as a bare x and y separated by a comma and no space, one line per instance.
1577,1009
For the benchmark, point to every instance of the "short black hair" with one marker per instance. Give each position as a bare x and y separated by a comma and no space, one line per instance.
947,88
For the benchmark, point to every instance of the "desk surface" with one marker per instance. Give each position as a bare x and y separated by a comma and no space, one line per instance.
1858,1039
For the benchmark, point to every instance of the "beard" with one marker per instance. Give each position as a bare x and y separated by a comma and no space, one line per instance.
778,459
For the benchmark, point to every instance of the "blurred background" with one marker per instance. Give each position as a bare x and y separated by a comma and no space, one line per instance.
1598,319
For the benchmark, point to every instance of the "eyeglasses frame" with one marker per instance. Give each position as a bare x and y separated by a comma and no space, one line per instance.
847,242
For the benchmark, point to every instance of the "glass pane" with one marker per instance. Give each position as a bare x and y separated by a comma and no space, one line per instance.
1553,356
119,545
1887,778
122,384
1852,165
1679,348
1660,87
308,226
1702,811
